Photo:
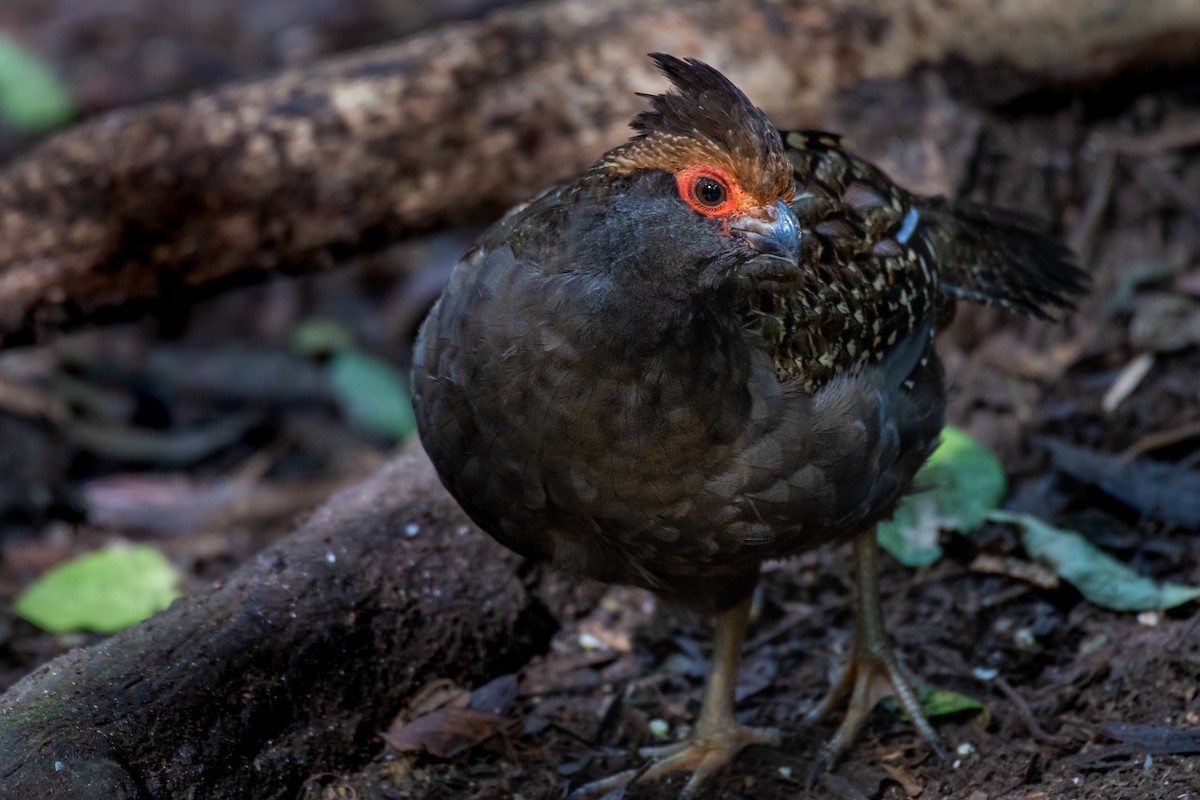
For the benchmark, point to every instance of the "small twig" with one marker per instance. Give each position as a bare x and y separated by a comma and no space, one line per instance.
946,573
1156,177
1026,715
572,734
784,626
1186,633
1015,568
1175,137
1083,236
28,401
1005,595
1127,381
1157,440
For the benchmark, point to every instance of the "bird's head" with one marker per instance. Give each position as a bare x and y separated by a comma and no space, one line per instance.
707,171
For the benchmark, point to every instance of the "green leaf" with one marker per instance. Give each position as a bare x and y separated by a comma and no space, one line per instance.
32,98
321,337
940,702
372,394
1098,576
959,484
911,535
102,591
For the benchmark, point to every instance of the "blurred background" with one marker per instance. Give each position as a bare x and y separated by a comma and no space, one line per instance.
207,428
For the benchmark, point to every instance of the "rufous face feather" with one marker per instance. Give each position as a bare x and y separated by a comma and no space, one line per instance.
725,154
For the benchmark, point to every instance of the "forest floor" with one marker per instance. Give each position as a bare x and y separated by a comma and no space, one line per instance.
207,433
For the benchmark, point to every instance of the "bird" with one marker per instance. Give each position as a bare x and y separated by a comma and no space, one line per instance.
713,348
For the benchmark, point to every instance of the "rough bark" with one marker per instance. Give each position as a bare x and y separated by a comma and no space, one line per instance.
289,668
292,172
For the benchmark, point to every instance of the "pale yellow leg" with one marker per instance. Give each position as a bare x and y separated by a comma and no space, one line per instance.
716,738
872,673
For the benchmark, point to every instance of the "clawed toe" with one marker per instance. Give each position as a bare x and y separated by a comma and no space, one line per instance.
871,674
701,755
717,738
869,677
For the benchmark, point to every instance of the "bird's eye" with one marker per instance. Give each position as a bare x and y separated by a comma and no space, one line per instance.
709,192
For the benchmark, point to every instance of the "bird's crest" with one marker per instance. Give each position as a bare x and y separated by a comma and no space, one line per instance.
704,119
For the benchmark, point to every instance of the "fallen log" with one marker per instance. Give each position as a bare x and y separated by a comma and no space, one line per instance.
287,669
297,171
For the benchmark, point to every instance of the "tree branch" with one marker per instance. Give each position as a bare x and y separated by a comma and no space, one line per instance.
289,668
293,172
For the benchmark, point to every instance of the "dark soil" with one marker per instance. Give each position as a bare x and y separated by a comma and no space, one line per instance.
1113,169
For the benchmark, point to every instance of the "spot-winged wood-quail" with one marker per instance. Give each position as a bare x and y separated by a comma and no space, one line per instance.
713,348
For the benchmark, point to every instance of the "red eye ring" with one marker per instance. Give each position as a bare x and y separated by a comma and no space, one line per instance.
707,191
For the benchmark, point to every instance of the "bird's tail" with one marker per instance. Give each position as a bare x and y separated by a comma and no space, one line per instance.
1000,258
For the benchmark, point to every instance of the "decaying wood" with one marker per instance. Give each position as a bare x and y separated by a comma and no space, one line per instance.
289,668
294,171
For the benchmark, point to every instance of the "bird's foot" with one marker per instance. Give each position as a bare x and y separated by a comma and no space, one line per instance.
871,674
701,754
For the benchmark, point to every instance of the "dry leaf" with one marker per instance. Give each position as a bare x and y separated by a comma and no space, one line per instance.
446,732
903,776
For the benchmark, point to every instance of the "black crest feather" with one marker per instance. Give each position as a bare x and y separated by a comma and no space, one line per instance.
704,104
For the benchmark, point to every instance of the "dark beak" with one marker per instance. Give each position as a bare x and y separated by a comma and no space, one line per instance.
775,233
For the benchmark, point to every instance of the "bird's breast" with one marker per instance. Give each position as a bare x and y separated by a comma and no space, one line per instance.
537,406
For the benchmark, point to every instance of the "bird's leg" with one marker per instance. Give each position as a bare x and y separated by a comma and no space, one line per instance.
872,673
716,737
